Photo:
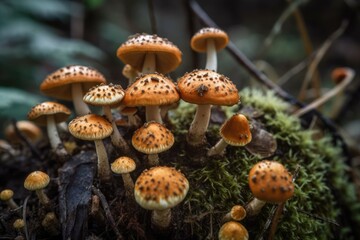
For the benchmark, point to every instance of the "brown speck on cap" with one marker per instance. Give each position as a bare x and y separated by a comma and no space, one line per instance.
105,95
58,83
36,180
132,52
90,127
198,41
236,130
207,87
160,188
39,112
123,165
268,189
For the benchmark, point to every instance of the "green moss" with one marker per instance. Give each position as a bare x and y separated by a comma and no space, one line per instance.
323,191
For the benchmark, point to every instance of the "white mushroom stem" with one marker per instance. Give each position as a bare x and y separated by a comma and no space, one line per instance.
199,125
254,207
211,57
128,184
42,196
104,172
54,138
77,95
153,114
153,159
161,218
116,137
218,149
149,65
12,204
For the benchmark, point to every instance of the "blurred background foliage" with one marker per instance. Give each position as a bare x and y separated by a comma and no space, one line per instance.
39,36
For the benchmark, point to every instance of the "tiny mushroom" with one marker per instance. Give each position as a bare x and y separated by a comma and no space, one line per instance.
69,83
237,213
51,224
152,138
49,114
133,119
233,231
27,128
93,127
209,40
37,181
159,189
6,195
150,53
19,224
235,132
108,96
205,88
124,166
130,73
270,182
151,90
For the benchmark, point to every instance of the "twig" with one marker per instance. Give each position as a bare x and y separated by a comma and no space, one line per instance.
24,218
152,16
293,71
106,208
319,56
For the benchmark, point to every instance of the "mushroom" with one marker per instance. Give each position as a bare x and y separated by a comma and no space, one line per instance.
27,128
69,83
205,88
49,114
209,40
93,127
235,132
124,166
271,182
133,119
108,96
51,224
160,189
37,181
19,224
130,73
151,90
237,213
6,195
233,231
152,138
150,53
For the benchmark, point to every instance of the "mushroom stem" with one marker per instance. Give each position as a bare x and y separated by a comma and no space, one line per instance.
42,196
161,218
128,184
153,114
116,137
218,148
77,95
153,159
254,207
54,138
103,162
12,204
149,65
211,58
199,125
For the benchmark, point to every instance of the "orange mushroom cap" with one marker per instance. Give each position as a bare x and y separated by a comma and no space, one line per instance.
40,112
198,41
36,180
29,129
236,130
233,231
104,95
123,165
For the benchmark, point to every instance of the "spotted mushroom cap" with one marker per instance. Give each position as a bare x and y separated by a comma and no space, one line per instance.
133,51
150,90
160,188
123,165
58,83
36,180
29,129
271,182
198,41
236,130
152,138
207,87
40,112
104,95
233,231
6,194
90,127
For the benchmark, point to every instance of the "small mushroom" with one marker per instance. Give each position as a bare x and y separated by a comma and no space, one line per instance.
209,40
19,224
152,138
270,182
233,231
37,181
160,189
237,213
6,195
28,129
124,166
130,73
51,224
93,127
235,132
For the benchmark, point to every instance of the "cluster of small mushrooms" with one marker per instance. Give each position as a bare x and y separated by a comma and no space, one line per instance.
148,59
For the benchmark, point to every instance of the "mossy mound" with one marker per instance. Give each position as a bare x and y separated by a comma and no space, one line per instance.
324,205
